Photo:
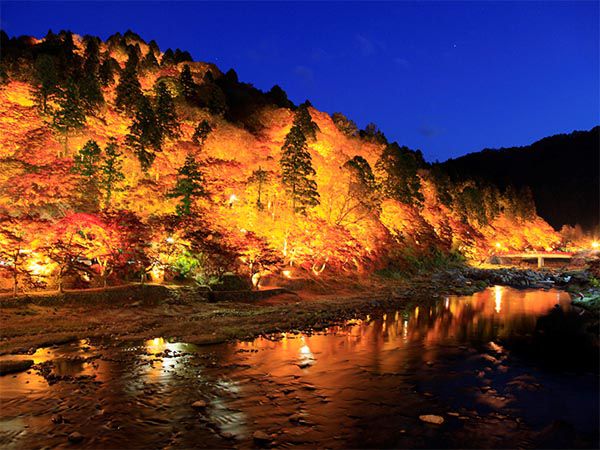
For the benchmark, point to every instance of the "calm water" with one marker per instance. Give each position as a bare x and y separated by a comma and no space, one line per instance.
504,368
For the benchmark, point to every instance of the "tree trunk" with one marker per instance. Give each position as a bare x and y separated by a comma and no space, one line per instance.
258,203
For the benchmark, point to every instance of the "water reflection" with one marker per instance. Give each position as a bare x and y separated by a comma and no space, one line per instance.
363,384
164,359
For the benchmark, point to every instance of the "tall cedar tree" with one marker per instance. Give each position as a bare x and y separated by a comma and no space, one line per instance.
107,70
70,61
91,92
111,172
259,177
362,182
398,167
303,120
168,58
181,56
70,114
189,187
297,171
144,138
153,46
203,129
165,112
470,205
4,78
129,90
372,133
188,87
150,62
279,97
45,80
345,125
87,164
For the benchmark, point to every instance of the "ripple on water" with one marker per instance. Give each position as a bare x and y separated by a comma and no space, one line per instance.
362,384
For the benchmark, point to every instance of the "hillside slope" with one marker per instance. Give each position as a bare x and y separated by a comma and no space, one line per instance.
386,208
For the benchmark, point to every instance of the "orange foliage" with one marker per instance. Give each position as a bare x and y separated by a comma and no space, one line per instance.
34,180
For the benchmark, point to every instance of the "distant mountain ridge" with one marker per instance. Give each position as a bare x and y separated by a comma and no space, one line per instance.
563,172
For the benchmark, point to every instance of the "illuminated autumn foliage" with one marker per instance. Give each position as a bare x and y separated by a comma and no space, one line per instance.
197,174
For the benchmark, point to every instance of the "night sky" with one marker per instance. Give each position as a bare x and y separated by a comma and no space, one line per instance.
448,78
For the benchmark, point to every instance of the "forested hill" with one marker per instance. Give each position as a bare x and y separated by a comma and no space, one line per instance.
562,171
142,161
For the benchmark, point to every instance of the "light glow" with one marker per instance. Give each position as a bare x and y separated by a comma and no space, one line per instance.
498,290
255,279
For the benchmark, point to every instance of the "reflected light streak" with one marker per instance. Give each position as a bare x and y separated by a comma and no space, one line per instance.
498,298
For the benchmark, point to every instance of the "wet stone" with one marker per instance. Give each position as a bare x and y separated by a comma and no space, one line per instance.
260,437
14,366
199,405
432,418
75,437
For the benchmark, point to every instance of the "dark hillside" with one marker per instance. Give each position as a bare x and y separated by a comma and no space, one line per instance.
562,172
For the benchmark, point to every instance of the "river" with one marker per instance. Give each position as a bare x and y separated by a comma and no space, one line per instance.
502,368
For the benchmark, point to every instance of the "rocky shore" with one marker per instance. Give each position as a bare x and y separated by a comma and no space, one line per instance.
185,313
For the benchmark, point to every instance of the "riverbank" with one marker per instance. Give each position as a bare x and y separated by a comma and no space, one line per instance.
184,313
474,371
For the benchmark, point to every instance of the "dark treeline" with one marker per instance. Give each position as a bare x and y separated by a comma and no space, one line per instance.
563,172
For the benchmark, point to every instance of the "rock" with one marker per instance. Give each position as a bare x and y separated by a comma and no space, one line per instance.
75,437
57,419
432,418
15,366
260,437
200,404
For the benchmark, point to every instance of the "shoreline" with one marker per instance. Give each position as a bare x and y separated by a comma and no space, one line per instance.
141,312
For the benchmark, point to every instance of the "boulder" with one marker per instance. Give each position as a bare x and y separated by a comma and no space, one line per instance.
14,365
260,437
432,418
198,405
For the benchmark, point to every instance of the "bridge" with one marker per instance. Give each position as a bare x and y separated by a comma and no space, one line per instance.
540,256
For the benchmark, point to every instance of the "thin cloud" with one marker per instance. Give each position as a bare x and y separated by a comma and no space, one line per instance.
304,72
401,63
430,131
365,46
318,54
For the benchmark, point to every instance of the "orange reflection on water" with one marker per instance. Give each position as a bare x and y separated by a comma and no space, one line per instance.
485,317
164,358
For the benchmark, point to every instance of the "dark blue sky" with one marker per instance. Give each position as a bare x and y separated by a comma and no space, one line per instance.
448,78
